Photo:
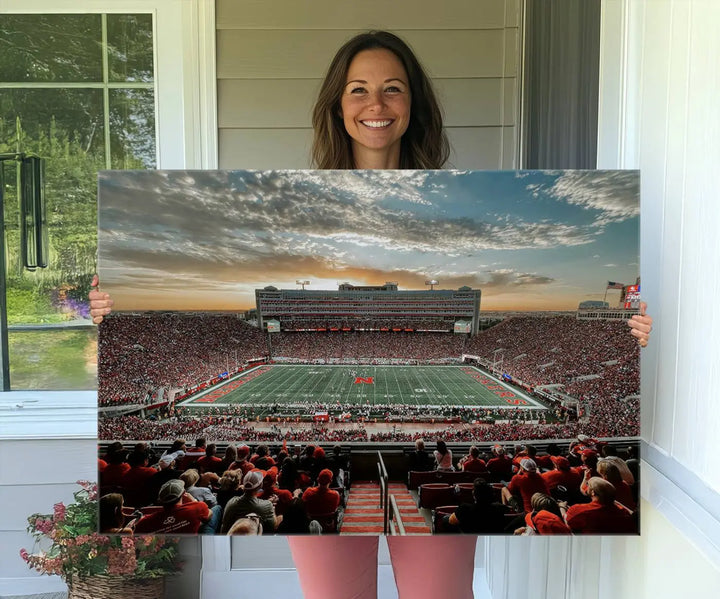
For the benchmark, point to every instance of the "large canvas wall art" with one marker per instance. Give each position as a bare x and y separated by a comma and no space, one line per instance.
287,314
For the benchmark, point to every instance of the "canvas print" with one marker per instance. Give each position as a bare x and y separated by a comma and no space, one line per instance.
347,352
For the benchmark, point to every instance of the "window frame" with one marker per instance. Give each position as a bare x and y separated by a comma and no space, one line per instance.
186,138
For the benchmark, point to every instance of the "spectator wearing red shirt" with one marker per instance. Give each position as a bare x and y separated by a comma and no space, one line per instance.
209,462
270,490
181,513
545,518
112,475
562,475
501,465
602,515
525,483
623,491
135,481
472,462
321,499
242,462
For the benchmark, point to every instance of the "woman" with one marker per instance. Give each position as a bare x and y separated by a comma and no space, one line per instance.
443,457
377,110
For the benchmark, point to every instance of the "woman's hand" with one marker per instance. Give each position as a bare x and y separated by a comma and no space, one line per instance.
100,303
641,325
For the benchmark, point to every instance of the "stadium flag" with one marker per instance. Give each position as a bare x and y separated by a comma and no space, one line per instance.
614,285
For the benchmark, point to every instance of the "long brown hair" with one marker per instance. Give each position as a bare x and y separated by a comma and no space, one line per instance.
424,144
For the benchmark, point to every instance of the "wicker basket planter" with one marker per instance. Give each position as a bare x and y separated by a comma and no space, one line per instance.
116,587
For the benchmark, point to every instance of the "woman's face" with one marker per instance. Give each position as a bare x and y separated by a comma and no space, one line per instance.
375,102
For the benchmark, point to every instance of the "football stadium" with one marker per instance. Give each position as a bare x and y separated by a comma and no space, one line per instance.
369,374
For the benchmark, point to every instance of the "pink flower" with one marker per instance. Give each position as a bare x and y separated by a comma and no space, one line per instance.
121,561
59,512
24,555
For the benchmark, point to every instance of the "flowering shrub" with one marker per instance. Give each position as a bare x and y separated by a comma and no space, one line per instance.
67,543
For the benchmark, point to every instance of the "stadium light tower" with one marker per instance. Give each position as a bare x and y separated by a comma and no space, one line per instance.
432,283
303,283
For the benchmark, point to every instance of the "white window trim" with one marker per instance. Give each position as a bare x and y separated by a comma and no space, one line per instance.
186,131
186,92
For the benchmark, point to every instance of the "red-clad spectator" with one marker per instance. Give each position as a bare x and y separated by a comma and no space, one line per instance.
562,475
181,513
270,490
602,515
623,491
472,462
525,483
545,517
321,499
112,474
501,465
135,482
209,462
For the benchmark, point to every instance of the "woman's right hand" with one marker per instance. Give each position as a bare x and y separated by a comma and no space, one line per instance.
100,303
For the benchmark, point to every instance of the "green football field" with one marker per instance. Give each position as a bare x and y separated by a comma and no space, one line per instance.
374,385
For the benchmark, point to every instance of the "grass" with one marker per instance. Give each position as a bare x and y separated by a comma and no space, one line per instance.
330,385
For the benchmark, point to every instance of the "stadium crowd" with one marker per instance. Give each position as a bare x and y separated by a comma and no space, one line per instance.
586,488
140,354
368,346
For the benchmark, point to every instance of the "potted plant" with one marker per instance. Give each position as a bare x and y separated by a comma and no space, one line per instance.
94,565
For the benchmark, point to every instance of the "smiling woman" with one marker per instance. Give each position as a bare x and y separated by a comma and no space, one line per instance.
377,109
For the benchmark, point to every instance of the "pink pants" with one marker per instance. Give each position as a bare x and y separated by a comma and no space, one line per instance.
334,567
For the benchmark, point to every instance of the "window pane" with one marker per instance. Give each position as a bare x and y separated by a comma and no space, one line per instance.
130,47
54,359
50,48
132,128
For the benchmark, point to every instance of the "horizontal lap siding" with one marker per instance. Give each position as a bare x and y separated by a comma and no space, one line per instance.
271,58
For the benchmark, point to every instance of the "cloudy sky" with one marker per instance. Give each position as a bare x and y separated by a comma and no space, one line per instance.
205,240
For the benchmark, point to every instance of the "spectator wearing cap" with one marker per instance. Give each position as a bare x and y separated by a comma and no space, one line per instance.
192,454
525,483
181,513
242,463
321,499
562,475
500,465
483,516
166,471
248,502
190,478
209,462
583,442
602,515
472,462
545,518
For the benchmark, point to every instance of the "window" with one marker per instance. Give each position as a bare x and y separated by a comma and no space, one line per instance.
77,90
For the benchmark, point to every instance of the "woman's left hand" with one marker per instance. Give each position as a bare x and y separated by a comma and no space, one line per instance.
641,325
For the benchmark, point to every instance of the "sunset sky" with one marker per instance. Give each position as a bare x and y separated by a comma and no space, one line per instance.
205,240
